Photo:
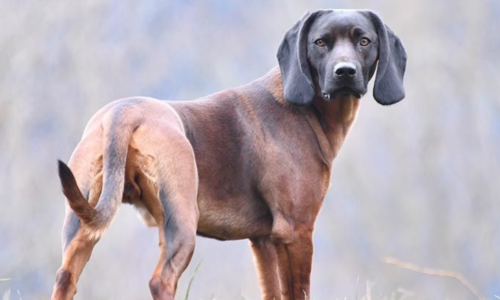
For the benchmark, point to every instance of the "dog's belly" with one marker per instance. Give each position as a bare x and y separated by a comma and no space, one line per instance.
233,219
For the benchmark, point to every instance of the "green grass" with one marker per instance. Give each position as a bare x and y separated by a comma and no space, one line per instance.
191,280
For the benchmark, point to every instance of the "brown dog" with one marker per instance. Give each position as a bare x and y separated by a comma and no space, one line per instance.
251,162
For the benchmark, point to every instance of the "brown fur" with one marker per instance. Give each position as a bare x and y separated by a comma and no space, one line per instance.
263,168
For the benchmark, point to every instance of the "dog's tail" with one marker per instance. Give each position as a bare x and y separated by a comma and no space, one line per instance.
118,126
76,200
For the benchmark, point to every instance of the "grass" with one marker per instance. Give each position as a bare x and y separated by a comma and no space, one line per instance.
191,280
7,296
399,294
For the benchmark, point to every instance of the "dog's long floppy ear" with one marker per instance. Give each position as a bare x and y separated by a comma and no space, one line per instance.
388,88
298,86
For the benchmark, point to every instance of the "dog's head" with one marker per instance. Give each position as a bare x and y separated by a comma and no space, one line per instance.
331,53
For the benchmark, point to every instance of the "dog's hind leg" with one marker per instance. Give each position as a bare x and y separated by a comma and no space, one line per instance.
173,204
77,245
75,257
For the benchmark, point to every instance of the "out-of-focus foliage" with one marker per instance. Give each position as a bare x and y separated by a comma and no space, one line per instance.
419,181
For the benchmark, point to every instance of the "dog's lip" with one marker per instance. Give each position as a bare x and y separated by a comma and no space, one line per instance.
344,90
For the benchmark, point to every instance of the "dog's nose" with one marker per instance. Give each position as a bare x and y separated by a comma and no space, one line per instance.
345,70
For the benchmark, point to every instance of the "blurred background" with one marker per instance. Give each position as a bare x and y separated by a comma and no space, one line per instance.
418,181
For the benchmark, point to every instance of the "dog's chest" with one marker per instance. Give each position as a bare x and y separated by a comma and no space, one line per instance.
233,218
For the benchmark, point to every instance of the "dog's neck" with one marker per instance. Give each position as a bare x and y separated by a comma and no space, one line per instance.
335,118
330,120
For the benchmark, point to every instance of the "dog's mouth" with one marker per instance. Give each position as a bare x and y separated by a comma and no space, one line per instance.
342,91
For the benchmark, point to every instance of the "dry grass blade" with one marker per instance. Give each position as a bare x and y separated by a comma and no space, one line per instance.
6,295
357,286
368,291
191,281
435,272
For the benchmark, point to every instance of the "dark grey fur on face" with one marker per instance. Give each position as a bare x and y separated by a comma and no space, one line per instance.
330,53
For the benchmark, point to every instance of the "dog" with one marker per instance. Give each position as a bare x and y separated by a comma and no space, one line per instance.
252,162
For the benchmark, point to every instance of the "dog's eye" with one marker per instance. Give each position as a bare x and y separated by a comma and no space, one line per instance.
364,42
320,43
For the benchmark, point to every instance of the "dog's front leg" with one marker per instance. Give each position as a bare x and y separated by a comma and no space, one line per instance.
295,260
265,259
